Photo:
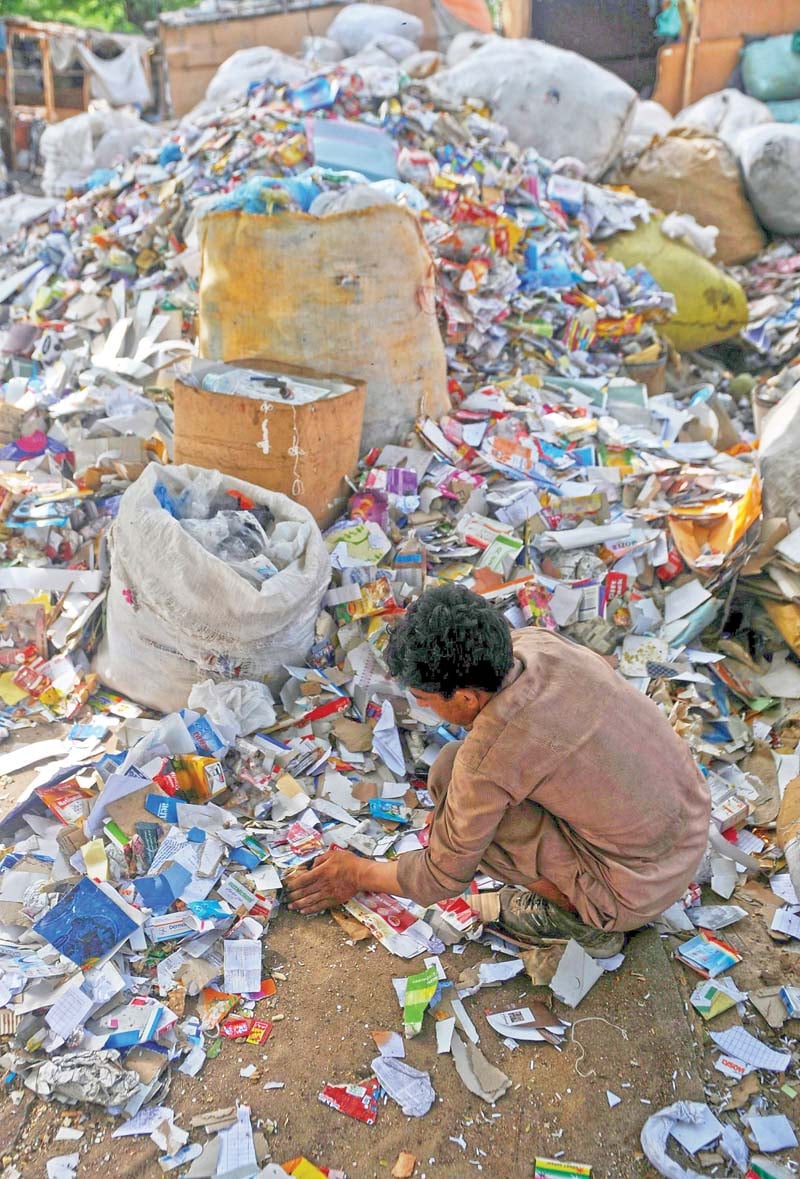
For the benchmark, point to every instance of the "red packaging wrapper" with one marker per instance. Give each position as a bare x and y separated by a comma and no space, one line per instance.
235,1027
671,567
616,584
356,1101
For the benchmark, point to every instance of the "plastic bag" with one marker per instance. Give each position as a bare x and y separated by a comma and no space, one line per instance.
251,66
323,50
398,48
360,196
656,1132
177,615
682,227
550,99
357,24
668,21
465,44
770,159
72,149
237,539
649,119
771,68
726,114
236,707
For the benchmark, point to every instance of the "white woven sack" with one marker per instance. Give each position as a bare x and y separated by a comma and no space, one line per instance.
178,615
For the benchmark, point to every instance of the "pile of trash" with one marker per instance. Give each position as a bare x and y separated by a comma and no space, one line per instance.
141,871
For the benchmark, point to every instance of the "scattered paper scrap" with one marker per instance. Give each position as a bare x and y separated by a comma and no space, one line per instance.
409,1087
575,976
480,1077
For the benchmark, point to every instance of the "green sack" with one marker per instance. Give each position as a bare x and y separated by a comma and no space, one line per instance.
786,111
771,68
711,306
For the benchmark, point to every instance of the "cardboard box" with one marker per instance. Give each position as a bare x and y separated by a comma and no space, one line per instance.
302,450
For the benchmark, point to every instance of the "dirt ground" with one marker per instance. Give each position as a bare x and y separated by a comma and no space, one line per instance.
634,1034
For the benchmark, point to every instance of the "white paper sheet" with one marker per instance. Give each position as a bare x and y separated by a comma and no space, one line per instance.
740,1044
694,1136
242,966
237,1153
773,1132
68,1012
575,975
682,601
444,1034
785,921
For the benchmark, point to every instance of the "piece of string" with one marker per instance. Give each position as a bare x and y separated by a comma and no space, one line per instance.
574,1040
296,453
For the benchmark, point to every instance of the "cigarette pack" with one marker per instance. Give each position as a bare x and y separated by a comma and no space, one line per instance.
555,1169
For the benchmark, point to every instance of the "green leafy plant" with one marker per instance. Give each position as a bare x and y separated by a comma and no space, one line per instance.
120,15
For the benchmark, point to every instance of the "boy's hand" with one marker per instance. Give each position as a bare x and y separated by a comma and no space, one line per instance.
331,882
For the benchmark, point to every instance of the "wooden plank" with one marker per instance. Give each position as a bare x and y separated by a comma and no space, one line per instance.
48,83
721,19
715,61
11,98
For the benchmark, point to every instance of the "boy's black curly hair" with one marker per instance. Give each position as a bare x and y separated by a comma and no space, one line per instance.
448,639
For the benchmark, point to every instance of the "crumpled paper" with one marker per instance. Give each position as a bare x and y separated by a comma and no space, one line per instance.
656,1131
409,1087
95,1077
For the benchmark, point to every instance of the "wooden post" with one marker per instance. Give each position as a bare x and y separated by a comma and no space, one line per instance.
48,82
691,51
11,97
516,18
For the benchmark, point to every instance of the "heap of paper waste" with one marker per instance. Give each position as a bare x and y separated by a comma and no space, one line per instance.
140,872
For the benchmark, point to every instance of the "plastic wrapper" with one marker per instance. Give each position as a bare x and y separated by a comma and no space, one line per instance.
656,1132
236,707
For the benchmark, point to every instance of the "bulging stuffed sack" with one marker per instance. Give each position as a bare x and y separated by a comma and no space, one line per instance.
711,306
362,286
770,159
177,615
550,99
688,171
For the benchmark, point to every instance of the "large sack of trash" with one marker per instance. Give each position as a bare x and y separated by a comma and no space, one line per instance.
360,284
770,160
203,585
550,99
251,66
711,306
355,25
649,119
779,455
771,67
689,172
725,114
72,149
466,43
